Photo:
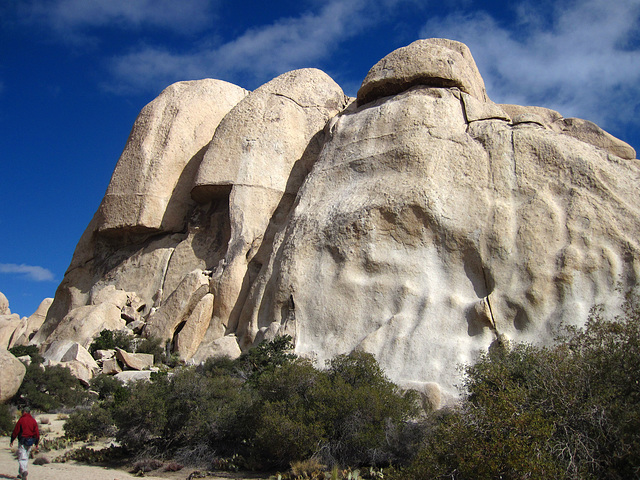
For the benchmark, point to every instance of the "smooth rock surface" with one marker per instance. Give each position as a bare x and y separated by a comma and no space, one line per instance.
110,366
83,324
434,62
80,354
174,313
134,361
12,372
32,324
150,186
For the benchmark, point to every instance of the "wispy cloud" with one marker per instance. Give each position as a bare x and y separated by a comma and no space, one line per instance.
581,59
35,273
257,55
64,15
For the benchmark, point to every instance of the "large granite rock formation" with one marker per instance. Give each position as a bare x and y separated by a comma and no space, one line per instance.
419,222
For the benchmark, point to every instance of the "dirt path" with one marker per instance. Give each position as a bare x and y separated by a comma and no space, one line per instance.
72,470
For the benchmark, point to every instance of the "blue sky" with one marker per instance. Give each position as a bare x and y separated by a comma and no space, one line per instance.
75,73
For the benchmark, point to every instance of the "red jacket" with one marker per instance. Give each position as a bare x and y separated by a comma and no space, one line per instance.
27,427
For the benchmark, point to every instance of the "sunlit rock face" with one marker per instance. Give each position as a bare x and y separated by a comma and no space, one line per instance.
420,222
421,235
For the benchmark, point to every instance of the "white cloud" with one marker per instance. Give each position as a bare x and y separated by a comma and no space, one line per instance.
258,54
581,61
62,15
35,273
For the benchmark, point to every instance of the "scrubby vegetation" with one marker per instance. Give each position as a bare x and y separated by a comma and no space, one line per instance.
30,350
264,410
567,411
50,388
570,411
6,419
110,339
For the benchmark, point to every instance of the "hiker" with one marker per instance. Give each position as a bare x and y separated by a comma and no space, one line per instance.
28,435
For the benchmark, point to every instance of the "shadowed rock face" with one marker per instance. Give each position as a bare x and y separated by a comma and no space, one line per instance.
419,223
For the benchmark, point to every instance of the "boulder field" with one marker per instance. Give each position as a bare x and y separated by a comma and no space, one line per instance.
419,221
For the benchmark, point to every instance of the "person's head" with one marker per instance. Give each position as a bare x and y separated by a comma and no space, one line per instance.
26,410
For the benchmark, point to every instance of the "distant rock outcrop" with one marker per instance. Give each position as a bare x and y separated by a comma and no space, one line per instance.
16,331
4,305
419,222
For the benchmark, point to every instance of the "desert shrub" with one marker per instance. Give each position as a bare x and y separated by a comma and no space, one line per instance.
93,422
342,415
567,411
153,346
365,410
6,419
146,465
217,366
50,388
267,409
265,357
108,387
173,467
211,409
288,423
142,419
57,443
31,350
310,468
110,339
41,460
93,456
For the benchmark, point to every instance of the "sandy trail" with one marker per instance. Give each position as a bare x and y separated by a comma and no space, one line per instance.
73,470
62,471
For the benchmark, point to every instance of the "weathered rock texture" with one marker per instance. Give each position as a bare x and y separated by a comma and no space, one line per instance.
419,223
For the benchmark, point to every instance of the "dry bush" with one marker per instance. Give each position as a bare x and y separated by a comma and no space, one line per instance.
173,467
146,465
310,468
41,460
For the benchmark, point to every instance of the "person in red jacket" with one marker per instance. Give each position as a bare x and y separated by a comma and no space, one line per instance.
28,435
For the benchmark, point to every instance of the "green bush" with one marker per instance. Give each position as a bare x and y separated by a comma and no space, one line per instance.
50,388
343,415
109,339
7,419
93,422
108,387
265,357
267,408
31,350
153,346
142,418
